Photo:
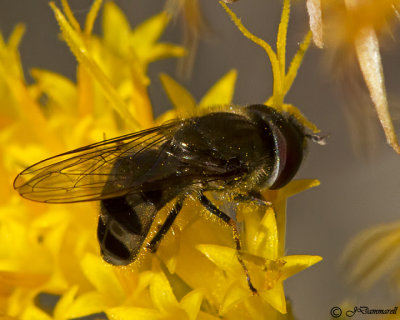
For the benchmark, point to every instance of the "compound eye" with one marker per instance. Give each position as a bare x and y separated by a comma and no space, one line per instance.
289,144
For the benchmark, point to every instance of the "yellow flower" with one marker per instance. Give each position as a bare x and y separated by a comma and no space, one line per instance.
50,251
165,303
52,239
354,26
263,238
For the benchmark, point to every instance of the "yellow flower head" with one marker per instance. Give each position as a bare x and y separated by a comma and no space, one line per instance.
263,240
51,251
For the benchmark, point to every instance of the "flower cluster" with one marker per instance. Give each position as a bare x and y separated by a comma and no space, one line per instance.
50,252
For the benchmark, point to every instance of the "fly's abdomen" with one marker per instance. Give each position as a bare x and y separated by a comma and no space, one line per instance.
124,223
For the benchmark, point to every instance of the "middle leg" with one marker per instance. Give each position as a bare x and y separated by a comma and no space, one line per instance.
228,220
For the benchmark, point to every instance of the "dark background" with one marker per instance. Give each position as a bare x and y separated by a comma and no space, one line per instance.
356,192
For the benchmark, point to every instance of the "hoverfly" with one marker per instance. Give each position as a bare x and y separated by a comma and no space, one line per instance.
135,175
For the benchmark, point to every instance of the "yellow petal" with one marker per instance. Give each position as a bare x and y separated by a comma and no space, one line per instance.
168,251
51,227
22,279
221,93
129,313
234,295
257,308
182,100
265,243
224,257
13,235
16,37
193,266
297,186
102,277
275,297
297,263
166,116
278,199
64,303
116,28
202,316
292,188
85,304
163,50
149,31
161,292
34,313
5,317
19,102
191,303
251,214
58,88
9,57
143,41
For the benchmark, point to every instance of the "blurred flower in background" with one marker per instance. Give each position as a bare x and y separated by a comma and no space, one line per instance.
194,28
50,264
355,29
352,28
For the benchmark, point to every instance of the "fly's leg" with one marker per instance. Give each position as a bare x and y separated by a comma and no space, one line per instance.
252,197
228,220
153,244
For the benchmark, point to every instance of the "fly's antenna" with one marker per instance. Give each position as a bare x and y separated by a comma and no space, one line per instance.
318,139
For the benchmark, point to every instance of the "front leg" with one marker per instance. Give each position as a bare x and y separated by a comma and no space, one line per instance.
153,244
253,196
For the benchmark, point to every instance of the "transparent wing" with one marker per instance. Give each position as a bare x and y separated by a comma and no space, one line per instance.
88,173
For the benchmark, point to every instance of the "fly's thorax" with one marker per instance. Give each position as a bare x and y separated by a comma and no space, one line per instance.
288,139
